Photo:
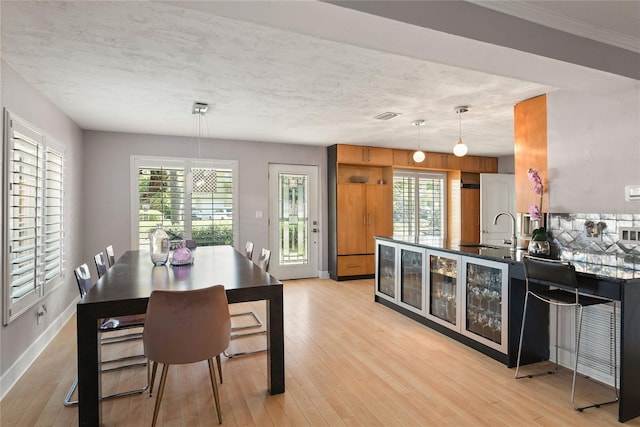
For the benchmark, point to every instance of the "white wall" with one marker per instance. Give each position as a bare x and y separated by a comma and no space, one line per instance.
107,183
593,146
23,339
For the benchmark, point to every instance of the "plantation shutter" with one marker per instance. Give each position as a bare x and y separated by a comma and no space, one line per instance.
53,224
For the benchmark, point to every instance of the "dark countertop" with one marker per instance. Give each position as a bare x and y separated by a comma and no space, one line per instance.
593,269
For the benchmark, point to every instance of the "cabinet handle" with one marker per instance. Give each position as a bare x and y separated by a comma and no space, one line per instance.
352,265
363,159
364,219
368,155
369,219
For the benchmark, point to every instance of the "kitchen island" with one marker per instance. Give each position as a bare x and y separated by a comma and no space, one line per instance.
475,294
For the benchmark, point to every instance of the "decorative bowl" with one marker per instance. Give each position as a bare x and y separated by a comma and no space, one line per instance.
359,179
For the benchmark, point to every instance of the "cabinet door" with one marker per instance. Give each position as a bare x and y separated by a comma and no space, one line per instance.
354,154
351,219
442,289
485,302
411,279
470,211
379,214
403,158
379,156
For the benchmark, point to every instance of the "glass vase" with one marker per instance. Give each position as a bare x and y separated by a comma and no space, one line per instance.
159,246
539,248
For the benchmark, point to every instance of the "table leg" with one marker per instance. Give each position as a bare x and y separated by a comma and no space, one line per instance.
88,348
275,344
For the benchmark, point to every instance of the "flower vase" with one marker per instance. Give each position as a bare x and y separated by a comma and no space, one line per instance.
159,241
539,248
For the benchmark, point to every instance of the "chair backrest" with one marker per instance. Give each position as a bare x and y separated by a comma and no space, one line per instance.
101,264
248,250
111,257
186,326
550,272
263,260
83,277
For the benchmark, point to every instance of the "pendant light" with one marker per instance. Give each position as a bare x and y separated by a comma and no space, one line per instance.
418,156
198,111
460,149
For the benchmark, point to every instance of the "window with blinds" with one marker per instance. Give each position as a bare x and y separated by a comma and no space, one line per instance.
190,199
34,212
419,207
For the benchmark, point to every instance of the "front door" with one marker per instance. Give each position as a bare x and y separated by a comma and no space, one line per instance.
293,221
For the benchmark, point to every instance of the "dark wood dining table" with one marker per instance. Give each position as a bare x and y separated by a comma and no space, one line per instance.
125,289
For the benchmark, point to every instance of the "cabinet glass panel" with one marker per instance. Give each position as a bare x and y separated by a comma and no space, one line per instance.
484,301
442,290
411,278
387,270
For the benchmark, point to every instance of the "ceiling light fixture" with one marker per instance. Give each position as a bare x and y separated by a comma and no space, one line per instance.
386,116
199,110
460,149
418,156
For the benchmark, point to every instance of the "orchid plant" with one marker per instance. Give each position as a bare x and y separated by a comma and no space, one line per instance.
535,210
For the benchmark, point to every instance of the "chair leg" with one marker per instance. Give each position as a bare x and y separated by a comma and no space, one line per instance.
524,316
163,380
153,377
578,312
214,385
219,362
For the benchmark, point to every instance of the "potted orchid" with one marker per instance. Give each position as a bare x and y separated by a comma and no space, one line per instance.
539,244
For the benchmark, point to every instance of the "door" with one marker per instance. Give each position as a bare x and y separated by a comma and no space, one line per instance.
379,209
497,194
293,221
352,219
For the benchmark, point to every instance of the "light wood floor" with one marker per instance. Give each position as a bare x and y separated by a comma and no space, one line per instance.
349,361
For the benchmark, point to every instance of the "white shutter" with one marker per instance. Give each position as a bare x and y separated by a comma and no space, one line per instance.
52,215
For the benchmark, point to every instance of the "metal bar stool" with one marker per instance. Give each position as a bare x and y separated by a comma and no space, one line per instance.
559,287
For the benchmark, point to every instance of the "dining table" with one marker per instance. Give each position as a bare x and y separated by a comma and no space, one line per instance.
125,290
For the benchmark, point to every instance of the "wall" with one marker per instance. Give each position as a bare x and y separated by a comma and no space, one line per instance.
593,152
107,186
23,339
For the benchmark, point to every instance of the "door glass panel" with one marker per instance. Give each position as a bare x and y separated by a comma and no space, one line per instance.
411,278
387,270
443,280
293,217
484,301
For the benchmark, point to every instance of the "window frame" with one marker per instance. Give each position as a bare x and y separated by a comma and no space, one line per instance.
188,164
49,204
416,176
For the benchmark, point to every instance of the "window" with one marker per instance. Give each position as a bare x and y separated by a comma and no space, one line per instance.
419,207
34,172
190,199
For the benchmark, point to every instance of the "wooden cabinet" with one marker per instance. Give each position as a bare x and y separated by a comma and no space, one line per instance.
357,212
404,158
355,154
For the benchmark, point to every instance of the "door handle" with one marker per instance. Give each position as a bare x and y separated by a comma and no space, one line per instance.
314,230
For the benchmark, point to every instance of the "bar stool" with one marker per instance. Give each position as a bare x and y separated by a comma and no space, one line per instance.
555,283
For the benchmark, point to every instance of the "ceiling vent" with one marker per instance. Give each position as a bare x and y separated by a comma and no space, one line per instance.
386,116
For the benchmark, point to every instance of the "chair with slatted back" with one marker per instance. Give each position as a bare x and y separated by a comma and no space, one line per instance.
262,262
101,264
555,283
173,333
107,326
111,257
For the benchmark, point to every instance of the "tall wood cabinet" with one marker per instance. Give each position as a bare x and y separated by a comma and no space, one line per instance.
358,211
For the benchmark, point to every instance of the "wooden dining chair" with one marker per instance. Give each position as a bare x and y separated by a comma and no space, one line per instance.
262,262
106,328
174,333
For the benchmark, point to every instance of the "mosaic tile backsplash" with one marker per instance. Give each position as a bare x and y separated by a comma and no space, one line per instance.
572,240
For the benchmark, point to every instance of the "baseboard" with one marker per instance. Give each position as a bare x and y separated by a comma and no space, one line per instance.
20,366
323,274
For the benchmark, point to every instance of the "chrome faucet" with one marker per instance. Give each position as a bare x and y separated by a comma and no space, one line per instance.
514,239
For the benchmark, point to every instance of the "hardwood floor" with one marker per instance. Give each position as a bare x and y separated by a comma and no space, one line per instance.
349,361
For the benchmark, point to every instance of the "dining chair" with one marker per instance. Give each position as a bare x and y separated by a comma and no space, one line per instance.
111,257
114,324
174,333
262,262
101,264
248,250
555,283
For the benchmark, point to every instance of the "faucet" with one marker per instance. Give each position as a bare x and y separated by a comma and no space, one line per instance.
514,239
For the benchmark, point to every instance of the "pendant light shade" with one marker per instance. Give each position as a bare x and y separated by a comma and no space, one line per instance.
418,155
460,149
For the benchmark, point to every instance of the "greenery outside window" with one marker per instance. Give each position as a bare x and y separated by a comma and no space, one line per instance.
419,207
190,199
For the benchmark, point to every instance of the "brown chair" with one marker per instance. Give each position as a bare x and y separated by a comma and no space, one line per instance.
111,257
555,283
262,262
186,327
101,264
115,324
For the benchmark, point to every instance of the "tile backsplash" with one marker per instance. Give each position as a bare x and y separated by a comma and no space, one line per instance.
572,240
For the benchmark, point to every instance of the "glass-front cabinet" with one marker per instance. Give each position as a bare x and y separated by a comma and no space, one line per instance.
442,289
412,278
485,302
386,271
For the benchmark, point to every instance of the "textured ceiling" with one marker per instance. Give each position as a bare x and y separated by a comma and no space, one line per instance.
139,66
